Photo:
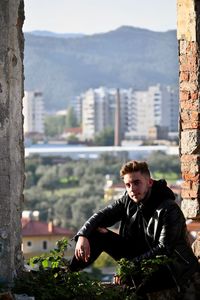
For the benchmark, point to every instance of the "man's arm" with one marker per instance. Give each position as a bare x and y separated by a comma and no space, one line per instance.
104,218
99,221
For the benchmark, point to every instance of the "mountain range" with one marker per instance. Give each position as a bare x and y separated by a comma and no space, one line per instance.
63,66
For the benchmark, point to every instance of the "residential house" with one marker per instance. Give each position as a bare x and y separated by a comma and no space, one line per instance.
40,237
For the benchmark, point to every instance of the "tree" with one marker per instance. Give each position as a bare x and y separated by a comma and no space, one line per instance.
49,180
63,211
161,162
72,139
82,209
105,138
54,125
71,120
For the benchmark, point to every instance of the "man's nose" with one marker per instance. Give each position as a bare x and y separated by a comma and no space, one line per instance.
133,187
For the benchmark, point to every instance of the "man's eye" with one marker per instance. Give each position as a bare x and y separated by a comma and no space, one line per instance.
137,182
128,185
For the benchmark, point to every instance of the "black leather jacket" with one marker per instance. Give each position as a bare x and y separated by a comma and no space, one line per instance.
157,224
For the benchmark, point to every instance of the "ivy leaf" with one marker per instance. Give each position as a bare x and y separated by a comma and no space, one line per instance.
45,263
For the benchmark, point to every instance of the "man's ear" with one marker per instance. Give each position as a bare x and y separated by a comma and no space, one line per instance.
150,182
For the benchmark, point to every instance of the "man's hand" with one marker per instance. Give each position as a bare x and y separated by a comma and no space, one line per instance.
82,250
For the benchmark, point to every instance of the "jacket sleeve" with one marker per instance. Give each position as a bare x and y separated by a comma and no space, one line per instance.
106,217
169,231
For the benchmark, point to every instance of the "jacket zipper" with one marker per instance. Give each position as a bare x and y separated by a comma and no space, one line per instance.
183,258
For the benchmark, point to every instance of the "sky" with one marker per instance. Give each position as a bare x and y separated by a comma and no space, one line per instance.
97,16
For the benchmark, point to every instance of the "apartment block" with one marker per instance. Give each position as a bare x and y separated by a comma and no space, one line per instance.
140,113
97,112
153,110
33,111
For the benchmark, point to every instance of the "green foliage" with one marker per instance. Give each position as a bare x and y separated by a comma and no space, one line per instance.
72,139
170,177
129,271
55,258
53,280
31,166
71,120
165,164
54,125
126,270
105,138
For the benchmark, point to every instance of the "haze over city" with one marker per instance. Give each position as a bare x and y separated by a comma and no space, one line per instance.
95,16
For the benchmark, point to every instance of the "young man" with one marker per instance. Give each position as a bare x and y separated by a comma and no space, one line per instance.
151,224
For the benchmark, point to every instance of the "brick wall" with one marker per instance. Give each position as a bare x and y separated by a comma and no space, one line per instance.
188,33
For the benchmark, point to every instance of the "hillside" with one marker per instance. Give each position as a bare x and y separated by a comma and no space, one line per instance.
62,68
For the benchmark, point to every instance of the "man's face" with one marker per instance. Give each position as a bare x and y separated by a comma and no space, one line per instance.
137,185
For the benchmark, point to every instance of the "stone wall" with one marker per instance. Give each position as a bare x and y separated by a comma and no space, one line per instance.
188,34
11,136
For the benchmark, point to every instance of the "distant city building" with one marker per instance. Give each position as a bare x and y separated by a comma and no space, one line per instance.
98,108
33,111
78,108
153,113
95,112
141,114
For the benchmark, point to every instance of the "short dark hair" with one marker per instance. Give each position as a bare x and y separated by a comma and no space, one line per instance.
135,166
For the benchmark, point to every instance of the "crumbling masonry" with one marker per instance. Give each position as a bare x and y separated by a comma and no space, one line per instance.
11,133
188,34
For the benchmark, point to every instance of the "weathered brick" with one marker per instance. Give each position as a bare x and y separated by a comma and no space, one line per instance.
189,86
191,125
187,185
190,168
188,105
190,119
190,158
183,59
196,246
190,141
184,76
189,193
192,47
184,67
184,95
188,115
183,45
192,61
190,207
193,76
191,176
194,95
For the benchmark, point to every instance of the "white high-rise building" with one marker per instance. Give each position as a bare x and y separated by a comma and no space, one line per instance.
97,111
157,106
33,111
139,111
